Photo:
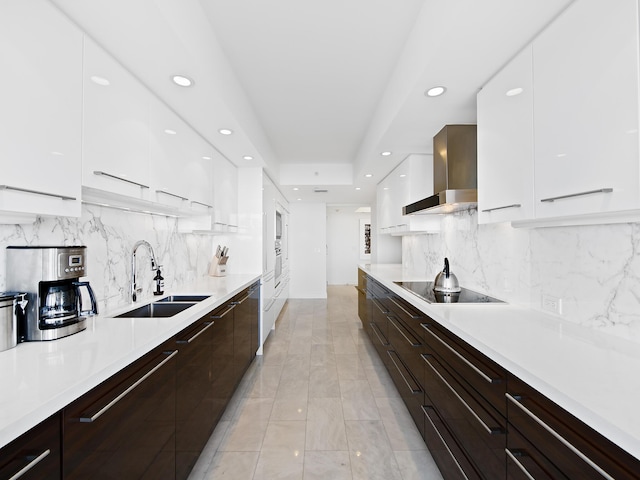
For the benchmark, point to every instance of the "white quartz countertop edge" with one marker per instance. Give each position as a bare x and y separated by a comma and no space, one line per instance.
592,375
40,378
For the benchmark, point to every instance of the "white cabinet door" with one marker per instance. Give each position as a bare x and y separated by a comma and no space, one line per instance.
173,144
505,143
40,109
586,110
268,226
225,195
116,127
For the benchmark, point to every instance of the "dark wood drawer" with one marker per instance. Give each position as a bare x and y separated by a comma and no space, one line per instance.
407,344
479,430
409,388
473,368
35,453
451,460
573,448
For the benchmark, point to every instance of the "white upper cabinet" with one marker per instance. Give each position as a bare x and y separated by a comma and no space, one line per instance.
586,110
225,195
505,143
410,181
116,127
41,110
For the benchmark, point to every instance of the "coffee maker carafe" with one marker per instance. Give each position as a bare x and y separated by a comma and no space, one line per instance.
50,276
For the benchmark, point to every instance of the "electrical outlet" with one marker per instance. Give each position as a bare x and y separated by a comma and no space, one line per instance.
552,304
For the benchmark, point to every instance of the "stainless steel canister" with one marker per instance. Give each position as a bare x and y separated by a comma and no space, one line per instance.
12,310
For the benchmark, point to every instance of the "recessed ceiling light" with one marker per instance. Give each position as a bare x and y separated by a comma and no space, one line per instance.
402,175
103,82
369,175
435,91
386,188
385,154
168,131
299,199
206,158
514,91
247,157
182,81
225,131
57,154
357,188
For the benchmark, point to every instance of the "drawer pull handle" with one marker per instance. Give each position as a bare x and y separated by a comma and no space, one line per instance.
195,202
489,430
115,177
415,388
36,192
410,315
412,341
453,457
558,437
377,304
229,307
471,365
515,205
579,194
128,390
172,194
382,340
207,326
518,464
30,465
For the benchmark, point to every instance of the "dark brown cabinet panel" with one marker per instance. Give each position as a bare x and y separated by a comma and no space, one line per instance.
548,438
125,427
35,455
194,393
246,311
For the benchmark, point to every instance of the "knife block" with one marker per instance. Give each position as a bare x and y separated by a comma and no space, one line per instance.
218,267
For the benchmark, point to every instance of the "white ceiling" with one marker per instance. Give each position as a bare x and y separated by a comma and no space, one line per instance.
314,91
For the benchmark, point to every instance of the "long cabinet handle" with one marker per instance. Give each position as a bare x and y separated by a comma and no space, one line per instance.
515,205
36,192
208,325
403,331
461,357
195,202
381,338
172,194
115,177
579,194
413,386
558,437
104,409
433,425
410,315
30,465
519,464
229,307
377,304
488,429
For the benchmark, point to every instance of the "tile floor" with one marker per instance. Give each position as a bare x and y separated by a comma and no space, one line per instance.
318,404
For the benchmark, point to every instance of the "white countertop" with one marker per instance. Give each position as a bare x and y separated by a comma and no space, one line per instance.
592,375
40,378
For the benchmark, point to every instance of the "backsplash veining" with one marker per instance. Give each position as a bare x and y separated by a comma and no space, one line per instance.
595,270
109,236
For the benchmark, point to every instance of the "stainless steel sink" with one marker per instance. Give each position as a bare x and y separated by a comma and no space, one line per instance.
184,298
166,309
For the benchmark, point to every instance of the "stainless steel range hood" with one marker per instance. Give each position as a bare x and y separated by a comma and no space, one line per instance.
455,172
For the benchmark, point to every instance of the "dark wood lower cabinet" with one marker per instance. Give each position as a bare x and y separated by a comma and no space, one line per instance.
36,454
125,427
194,393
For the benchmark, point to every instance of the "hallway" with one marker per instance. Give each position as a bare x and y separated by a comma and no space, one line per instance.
318,404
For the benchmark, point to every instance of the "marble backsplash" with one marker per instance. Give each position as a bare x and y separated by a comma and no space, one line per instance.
109,236
594,270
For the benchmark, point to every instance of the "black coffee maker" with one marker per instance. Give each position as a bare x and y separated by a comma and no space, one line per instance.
58,301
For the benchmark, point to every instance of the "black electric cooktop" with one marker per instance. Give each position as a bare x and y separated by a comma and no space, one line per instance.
424,290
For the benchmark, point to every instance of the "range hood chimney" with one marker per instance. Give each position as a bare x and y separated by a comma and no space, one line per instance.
455,172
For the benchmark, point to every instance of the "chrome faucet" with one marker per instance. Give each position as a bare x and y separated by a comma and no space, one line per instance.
154,263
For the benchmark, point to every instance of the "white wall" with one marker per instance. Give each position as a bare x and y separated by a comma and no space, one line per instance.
594,270
343,244
308,250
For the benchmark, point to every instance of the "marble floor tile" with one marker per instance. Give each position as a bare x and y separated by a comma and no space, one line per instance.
280,466
370,452
266,382
417,465
358,403
323,382
327,466
290,408
350,367
399,425
284,436
233,466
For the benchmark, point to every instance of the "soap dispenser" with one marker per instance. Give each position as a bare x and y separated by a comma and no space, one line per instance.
159,281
